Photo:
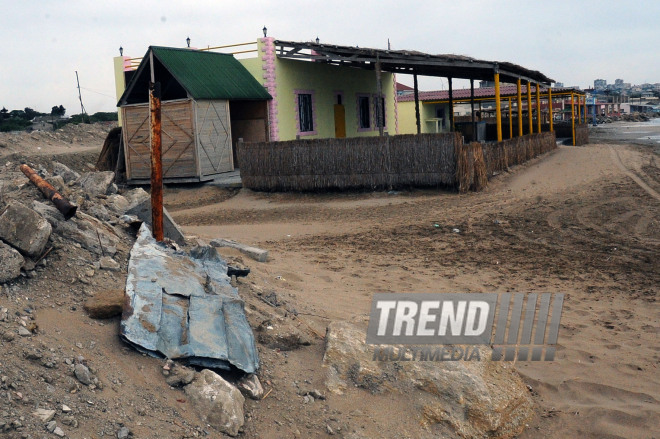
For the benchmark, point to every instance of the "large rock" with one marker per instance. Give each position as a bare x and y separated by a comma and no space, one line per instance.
98,183
67,174
83,229
468,399
217,402
12,261
24,229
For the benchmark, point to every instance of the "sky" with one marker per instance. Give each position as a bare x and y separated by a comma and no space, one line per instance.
44,42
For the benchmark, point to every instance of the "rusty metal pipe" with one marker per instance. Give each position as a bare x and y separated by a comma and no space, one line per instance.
156,162
63,205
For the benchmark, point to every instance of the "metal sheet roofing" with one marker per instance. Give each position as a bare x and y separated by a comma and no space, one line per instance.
200,74
408,61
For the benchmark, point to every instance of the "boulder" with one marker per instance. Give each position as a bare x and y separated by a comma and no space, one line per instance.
98,183
471,399
105,304
251,386
180,376
136,196
217,402
24,229
12,261
67,174
107,263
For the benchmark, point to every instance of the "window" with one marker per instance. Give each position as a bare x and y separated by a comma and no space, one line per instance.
364,113
305,113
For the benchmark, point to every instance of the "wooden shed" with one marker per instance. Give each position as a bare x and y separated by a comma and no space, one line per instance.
198,90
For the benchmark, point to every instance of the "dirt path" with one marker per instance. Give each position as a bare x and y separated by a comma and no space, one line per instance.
583,221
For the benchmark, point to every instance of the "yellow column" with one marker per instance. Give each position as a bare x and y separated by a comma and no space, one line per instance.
573,117
498,107
529,107
520,130
579,109
552,128
538,108
510,121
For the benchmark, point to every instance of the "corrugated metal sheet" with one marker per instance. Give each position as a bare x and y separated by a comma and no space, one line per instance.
183,307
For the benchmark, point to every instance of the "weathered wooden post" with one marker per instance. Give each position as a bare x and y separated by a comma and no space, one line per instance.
156,162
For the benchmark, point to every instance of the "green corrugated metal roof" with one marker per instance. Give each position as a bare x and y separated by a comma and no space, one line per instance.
209,75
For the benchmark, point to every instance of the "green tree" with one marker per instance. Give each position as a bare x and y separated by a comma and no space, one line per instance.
3,113
30,113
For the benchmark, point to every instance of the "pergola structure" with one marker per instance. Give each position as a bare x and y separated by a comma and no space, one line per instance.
513,94
418,63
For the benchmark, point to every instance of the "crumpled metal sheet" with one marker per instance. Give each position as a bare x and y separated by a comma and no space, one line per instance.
183,307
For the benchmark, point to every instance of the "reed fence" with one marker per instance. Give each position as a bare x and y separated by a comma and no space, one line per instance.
358,162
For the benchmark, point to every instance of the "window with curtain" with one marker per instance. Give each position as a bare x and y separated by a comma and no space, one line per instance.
305,112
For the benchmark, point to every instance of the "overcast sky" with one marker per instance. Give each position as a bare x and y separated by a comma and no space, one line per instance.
572,41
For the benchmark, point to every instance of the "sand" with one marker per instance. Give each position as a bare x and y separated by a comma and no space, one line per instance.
580,221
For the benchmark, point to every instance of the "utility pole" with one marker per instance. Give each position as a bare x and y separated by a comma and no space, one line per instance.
82,107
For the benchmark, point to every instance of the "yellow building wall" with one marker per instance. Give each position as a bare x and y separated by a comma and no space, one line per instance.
324,81
408,122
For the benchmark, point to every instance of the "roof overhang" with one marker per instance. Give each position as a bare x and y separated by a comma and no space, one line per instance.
408,62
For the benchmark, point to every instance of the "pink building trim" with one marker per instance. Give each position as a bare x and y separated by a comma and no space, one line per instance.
268,66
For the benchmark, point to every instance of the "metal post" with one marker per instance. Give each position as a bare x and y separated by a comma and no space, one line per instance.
156,162
474,125
550,116
510,120
520,123
451,106
538,108
416,91
498,107
573,117
529,108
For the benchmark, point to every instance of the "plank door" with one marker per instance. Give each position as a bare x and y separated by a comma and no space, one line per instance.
214,137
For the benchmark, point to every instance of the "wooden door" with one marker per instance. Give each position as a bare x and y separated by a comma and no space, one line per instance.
340,121
214,137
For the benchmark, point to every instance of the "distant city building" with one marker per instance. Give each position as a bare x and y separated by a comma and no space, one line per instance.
618,83
559,84
600,84
486,84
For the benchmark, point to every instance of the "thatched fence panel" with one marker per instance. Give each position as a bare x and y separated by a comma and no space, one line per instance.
358,162
500,155
581,134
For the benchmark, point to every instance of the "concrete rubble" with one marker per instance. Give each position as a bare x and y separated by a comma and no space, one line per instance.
473,399
217,402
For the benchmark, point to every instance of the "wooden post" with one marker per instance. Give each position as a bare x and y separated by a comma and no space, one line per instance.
510,120
498,106
529,108
474,125
550,116
156,162
452,128
520,123
416,91
379,94
573,116
538,108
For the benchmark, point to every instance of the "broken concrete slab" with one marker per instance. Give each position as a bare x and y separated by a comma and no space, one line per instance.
255,253
24,229
185,308
105,304
217,402
471,399
98,183
170,229
12,261
107,263
65,172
